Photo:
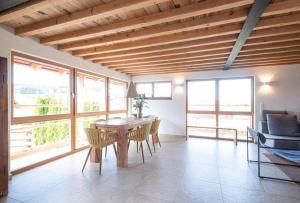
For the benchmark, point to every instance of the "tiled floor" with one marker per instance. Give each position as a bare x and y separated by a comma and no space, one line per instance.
199,170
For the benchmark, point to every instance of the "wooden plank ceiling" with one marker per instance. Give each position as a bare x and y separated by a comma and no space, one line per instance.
140,37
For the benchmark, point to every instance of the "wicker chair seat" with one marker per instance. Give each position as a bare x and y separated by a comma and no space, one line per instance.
99,139
140,134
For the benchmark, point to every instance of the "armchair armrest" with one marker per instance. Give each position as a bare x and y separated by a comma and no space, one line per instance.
263,127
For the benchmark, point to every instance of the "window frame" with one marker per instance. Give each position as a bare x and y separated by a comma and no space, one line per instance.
72,116
86,114
32,119
217,111
108,98
153,90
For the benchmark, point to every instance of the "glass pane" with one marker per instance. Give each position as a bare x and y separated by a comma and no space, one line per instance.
201,95
36,93
201,132
144,88
117,95
201,120
32,143
81,124
163,89
90,93
235,95
239,122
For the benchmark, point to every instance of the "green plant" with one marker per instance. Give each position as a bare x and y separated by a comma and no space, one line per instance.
140,103
50,132
91,106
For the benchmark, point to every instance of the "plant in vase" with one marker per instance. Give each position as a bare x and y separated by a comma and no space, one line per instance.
139,104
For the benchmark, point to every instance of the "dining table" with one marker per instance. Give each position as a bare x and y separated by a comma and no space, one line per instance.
122,127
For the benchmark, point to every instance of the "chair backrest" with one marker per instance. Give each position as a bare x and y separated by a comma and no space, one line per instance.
143,132
98,138
154,126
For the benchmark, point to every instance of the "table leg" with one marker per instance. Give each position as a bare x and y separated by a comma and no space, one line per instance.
122,156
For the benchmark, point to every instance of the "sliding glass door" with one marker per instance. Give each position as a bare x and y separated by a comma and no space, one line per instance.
218,108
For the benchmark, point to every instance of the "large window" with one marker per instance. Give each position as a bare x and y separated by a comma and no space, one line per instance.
155,90
91,93
201,96
90,103
41,111
40,96
117,96
52,104
219,107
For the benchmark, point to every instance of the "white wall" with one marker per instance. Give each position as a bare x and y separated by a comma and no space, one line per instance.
283,94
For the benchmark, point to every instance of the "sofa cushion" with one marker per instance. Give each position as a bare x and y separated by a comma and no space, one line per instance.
265,112
280,124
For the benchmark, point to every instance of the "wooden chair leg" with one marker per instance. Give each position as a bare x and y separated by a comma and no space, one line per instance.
149,147
128,145
153,143
105,152
137,146
142,152
115,149
86,159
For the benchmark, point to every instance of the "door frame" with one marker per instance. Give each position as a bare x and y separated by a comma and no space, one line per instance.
3,127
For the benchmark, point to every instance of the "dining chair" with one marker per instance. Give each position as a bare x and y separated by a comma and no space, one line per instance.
154,132
106,130
98,139
139,135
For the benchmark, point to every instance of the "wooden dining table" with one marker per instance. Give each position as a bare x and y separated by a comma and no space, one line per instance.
122,125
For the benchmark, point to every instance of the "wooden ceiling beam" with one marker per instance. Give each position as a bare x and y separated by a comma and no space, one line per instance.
266,64
273,39
200,49
268,56
272,46
213,43
253,17
183,70
276,31
164,40
169,71
130,71
186,56
170,67
85,15
29,7
277,8
292,58
175,47
191,10
192,35
197,61
199,23
157,31
206,60
177,54
269,51
137,73
166,58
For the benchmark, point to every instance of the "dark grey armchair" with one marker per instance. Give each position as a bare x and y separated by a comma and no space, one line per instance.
279,123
